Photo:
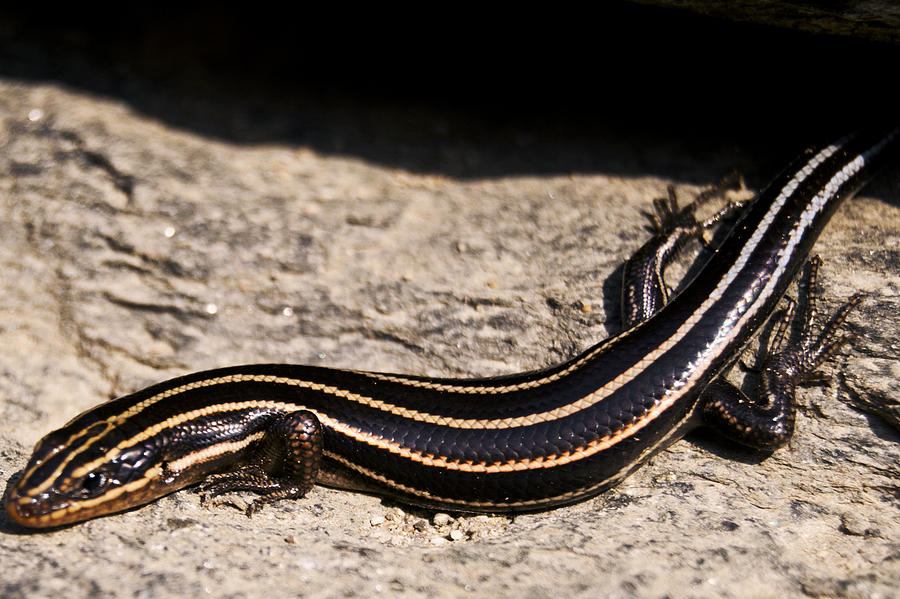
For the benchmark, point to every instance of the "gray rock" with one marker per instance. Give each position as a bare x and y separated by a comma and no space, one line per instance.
877,20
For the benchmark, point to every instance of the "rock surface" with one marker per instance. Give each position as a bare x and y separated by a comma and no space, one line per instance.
863,19
134,250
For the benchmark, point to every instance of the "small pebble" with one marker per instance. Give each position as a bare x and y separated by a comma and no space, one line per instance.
456,535
851,524
441,519
377,520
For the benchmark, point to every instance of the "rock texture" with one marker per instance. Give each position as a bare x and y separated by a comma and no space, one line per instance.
135,248
862,19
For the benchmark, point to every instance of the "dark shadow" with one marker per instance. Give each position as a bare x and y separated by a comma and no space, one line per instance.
880,427
612,301
632,89
710,441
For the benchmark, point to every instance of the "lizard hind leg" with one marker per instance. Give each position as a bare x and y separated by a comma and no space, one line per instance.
768,423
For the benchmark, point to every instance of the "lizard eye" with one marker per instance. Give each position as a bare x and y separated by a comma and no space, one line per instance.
94,484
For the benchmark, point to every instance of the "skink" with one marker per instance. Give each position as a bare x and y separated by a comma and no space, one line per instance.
526,441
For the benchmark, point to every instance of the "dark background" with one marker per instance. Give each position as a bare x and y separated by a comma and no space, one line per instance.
467,94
